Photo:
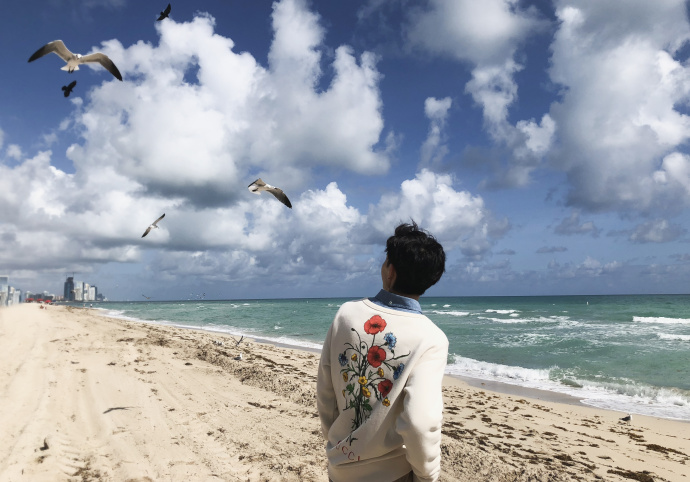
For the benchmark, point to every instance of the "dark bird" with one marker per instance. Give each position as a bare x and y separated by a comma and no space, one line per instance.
257,186
147,297
68,88
164,13
152,225
74,60
627,418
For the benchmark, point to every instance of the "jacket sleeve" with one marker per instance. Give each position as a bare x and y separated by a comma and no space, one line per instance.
326,402
420,422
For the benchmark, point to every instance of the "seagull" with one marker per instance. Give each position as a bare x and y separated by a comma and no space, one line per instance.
164,13
257,186
238,357
74,60
68,88
628,418
147,297
152,225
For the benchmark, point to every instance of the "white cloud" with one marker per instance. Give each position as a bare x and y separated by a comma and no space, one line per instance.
657,231
434,148
621,90
572,225
456,218
488,35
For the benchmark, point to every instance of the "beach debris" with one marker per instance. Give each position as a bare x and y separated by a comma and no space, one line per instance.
164,14
74,60
152,226
68,88
217,342
116,408
257,186
45,445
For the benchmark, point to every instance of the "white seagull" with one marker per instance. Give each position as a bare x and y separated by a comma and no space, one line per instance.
257,186
74,60
152,225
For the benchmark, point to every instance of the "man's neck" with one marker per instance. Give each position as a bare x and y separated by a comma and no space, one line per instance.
414,297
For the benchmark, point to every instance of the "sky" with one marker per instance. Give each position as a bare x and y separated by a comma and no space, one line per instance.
543,143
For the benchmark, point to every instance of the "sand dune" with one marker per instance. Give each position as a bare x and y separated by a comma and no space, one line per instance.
86,398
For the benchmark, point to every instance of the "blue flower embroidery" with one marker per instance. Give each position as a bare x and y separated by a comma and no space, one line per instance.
398,370
342,359
390,340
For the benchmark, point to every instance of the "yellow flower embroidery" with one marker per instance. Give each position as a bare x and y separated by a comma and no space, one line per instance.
362,380
345,376
386,402
380,372
344,396
354,357
366,392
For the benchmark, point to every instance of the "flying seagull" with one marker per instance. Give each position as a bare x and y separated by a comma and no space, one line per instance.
257,186
147,297
164,13
74,60
152,225
68,88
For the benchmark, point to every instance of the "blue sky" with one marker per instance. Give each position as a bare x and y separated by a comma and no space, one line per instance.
544,143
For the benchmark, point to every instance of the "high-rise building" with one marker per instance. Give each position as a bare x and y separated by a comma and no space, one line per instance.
69,289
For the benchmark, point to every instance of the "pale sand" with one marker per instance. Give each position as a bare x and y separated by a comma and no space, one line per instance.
84,397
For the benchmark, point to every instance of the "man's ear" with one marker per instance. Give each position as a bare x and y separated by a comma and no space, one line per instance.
391,275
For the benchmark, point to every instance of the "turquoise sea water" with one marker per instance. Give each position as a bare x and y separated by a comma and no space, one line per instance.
626,353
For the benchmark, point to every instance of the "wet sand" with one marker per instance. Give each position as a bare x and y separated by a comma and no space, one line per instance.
85,397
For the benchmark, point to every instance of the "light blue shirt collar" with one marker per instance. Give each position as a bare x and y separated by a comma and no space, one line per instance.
396,302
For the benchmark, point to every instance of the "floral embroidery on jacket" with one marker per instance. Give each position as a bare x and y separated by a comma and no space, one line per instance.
365,366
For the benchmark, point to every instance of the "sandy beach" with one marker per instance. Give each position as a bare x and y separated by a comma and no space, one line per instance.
85,398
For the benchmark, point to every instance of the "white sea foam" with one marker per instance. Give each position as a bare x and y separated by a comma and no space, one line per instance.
619,396
446,306
501,312
451,313
661,320
668,336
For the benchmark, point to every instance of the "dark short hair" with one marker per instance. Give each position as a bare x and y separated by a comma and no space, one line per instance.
419,259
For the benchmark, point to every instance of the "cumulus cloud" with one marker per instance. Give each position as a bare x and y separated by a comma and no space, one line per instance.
620,114
657,231
487,36
572,225
456,218
434,148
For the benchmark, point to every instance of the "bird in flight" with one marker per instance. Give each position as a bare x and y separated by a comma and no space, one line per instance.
164,13
68,88
74,60
257,186
152,225
147,297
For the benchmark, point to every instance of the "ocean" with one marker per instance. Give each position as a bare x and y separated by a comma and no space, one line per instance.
625,353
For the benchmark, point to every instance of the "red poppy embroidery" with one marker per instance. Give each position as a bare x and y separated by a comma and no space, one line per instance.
375,356
385,387
375,325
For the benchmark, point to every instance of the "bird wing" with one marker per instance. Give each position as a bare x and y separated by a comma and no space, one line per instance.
146,232
156,221
256,186
104,60
280,195
71,85
167,10
57,47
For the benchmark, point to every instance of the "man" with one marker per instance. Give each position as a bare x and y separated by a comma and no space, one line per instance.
381,371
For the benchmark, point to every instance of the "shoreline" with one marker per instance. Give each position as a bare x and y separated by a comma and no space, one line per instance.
90,397
486,384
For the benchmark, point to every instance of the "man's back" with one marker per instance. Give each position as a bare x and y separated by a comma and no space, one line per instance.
379,388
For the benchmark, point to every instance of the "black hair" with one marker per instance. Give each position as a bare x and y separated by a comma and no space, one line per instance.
419,259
